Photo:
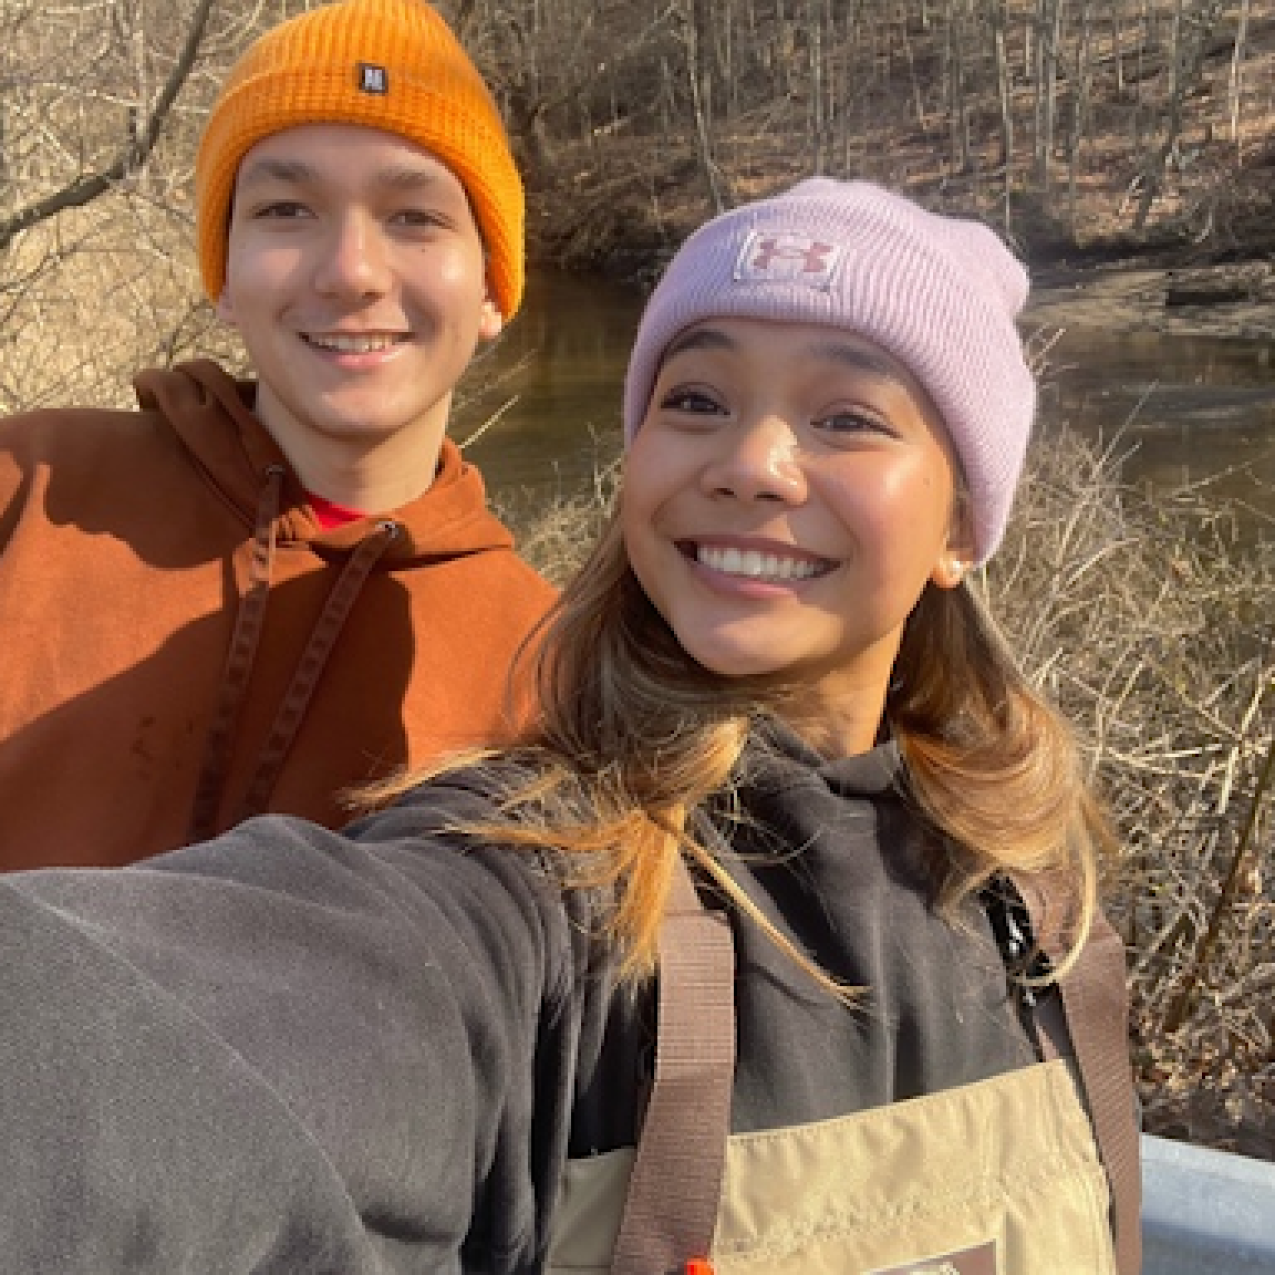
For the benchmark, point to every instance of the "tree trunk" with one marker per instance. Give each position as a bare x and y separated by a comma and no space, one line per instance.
1048,41
1193,32
1079,107
958,115
1235,84
1004,93
814,43
697,82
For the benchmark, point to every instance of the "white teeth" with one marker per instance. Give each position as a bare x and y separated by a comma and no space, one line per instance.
351,344
755,565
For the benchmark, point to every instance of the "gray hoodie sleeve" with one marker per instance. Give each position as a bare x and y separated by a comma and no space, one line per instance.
287,1050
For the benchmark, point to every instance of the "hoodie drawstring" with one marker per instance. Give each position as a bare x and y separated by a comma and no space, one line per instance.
249,623
326,632
243,652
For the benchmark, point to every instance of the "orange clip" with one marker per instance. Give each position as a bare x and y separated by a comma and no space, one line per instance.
699,1266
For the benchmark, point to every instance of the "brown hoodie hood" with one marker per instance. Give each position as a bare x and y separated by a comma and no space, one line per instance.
198,398
187,646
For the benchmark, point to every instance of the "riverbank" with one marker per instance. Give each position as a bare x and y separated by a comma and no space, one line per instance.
1112,287
623,219
1225,301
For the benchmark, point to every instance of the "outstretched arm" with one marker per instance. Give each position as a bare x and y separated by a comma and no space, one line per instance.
285,1050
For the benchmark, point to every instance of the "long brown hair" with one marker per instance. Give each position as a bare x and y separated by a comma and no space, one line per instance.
634,735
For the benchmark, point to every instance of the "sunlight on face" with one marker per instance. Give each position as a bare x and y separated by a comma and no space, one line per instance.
790,494
356,279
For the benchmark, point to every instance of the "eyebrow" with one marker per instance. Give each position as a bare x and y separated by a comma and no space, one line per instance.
875,363
699,339
282,170
857,357
296,173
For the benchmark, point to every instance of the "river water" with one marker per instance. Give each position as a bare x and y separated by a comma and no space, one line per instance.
1183,410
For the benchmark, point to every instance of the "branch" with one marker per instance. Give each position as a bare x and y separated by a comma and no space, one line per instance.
86,189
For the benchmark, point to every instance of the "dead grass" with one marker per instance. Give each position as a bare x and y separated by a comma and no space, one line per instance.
1150,623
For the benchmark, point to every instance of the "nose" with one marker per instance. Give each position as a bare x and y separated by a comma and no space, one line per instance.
758,460
354,262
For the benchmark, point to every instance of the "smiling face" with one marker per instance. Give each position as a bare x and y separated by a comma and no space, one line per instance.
789,495
355,277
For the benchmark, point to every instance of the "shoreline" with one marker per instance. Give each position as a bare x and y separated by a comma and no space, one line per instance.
1233,301
1222,302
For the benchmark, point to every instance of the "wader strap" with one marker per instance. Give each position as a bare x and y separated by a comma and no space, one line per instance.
1095,1001
675,1190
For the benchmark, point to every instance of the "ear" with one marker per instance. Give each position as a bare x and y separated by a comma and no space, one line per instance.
226,308
958,554
491,322
950,569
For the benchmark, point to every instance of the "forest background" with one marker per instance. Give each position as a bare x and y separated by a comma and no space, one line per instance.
1096,135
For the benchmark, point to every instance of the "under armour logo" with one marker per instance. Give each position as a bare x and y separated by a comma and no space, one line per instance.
788,256
373,79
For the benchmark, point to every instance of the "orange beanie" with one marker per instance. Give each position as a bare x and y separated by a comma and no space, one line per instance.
388,64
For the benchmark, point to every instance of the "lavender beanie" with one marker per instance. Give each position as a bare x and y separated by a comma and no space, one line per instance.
941,294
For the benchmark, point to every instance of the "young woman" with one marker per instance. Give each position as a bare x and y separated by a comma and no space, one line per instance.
785,761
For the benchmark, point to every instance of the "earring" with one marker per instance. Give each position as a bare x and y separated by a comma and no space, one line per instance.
956,568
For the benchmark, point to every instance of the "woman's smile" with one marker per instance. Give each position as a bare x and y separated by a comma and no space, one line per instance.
764,562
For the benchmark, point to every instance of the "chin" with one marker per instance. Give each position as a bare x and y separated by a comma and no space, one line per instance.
355,429
737,664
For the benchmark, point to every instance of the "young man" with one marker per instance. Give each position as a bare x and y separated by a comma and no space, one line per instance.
250,596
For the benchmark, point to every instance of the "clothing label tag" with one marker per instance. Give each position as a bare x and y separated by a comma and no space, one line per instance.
373,79
777,256
979,1260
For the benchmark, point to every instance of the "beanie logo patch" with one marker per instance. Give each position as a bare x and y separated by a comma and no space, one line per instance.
373,79
773,256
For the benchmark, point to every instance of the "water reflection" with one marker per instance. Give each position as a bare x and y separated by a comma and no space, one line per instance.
1185,410
563,359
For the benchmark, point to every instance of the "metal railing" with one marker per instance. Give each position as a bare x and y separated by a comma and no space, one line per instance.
1205,1212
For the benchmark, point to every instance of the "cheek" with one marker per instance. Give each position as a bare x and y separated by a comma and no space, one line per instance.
458,271
642,497
447,271
640,549
883,500
639,469
253,272
635,523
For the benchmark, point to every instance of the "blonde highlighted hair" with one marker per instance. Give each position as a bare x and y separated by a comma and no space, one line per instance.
635,736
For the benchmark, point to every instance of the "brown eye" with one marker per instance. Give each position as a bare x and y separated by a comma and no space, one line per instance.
282,210
422,219
693,401
851,423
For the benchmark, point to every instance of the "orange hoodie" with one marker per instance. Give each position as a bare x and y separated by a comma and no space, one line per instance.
184,645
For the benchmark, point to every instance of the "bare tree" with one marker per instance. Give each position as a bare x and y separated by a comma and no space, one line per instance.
1235,84
1080,104
617,108
1049,19
1193,30
144,122
1005,102
693,18
100,102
